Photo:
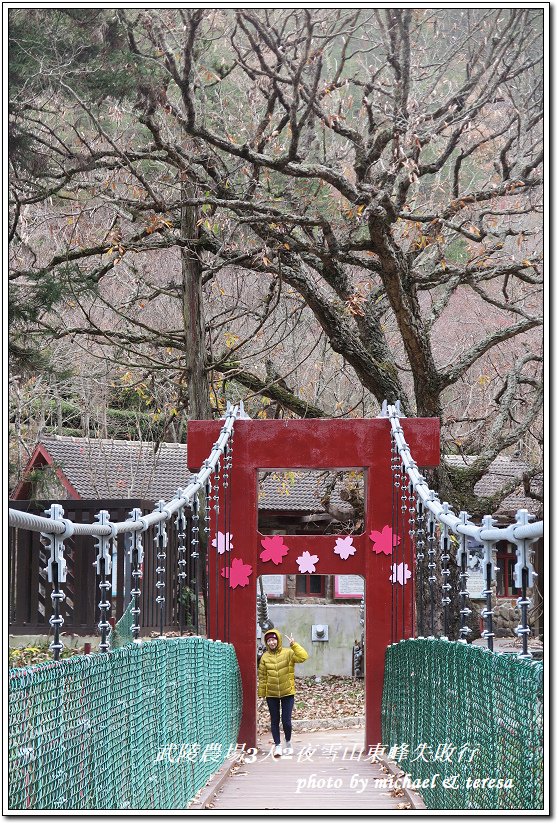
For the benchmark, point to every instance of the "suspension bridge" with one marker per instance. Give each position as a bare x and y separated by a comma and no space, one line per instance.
144,724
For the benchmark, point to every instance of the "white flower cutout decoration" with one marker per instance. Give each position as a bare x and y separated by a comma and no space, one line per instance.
400,573
223,542
344,547
307,562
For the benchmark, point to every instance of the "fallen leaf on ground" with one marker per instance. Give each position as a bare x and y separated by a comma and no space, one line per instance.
335,696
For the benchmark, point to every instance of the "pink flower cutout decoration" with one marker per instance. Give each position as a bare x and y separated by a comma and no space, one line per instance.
273,549
344,547
237,573
400,573
223,542
384,541
307,562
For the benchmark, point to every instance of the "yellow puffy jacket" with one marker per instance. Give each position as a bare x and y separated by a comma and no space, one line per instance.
276,669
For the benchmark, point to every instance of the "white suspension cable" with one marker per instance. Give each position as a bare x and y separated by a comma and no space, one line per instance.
514,533
36,523
523,534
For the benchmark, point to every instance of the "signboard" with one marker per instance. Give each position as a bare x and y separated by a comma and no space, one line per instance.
274,585
349,586
475,581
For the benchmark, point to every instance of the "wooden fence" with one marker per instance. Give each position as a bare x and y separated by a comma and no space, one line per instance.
30,605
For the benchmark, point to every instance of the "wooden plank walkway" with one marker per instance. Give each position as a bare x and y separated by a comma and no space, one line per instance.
327,771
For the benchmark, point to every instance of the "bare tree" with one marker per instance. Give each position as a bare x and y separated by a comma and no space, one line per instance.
384,165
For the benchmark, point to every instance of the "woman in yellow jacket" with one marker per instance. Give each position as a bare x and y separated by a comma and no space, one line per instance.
276,683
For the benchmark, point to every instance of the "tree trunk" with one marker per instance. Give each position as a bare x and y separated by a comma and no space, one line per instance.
199,407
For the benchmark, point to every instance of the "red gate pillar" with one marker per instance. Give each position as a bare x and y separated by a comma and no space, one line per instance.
311,444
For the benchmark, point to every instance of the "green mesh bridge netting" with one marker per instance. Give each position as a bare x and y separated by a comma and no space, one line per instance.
122,632
141,727
468,724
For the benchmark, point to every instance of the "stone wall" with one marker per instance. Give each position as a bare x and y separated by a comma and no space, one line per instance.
507,616
331,657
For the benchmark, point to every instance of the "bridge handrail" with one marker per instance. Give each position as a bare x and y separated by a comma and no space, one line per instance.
36,523
522,534
514,533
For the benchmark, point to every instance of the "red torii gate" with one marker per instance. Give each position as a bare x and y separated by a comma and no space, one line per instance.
309,444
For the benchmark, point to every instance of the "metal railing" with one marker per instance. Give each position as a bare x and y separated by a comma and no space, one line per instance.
429,508
56,529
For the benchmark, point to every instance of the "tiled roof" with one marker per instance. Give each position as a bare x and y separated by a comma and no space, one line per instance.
501,471
298,492
99,468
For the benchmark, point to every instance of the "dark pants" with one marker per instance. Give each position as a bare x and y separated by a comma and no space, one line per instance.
285,707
